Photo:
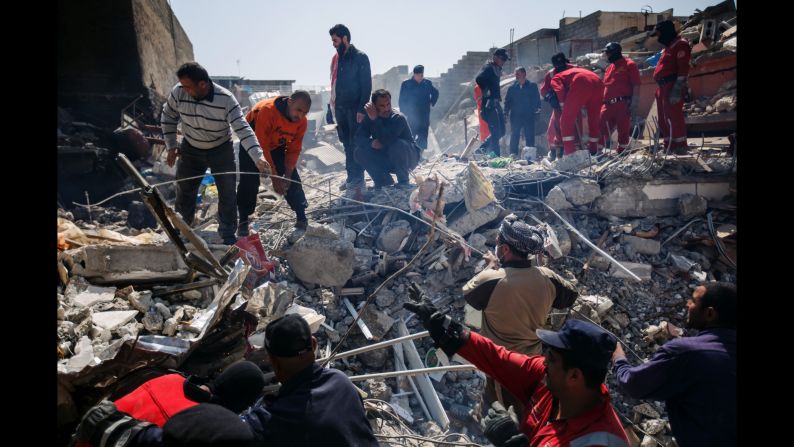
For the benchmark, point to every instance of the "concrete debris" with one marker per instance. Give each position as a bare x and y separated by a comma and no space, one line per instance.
580,191
310,315
93,295
318,248
378,389
690,205
646,409
126,265
641,270
114,319
682,264
378,322
574,162
601,304
557,200
643,246
393,236
472,221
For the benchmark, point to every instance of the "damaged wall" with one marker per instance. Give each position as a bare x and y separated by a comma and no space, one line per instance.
109,53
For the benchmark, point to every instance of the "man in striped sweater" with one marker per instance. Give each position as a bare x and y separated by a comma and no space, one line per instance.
207,111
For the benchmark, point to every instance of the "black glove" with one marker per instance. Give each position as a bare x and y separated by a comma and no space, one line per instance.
105,421
329,115
500,426
447,334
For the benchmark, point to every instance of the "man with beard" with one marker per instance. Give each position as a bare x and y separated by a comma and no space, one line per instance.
488,81
208,113
695,376
566,400
621,96
351,85
670,74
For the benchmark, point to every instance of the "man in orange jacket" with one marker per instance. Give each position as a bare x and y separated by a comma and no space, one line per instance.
279,124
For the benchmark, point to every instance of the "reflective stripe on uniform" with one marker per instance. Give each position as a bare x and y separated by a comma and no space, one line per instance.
568,138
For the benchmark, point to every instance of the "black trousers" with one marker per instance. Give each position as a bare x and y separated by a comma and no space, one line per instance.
400,157
193,162
248,187
346,127
419,129
495,118
519,122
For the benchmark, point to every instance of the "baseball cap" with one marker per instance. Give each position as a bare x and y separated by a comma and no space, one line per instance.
663,26
501,52
288,336
589,344
419,69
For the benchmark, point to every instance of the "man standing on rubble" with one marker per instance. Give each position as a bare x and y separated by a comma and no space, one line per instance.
207,111
315,405
488,81
515,297
280,124
384,143
351,80
621,97
417,95
578,88
522,105
670,75
695,376
566,400
560,63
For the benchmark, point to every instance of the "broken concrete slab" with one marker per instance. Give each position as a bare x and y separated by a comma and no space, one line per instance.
471,221
378,389
319,247
646,409
378,322
556,199
641,270
633,198
574,162
682,264
579,191
113,319
393,235
324,158
600,304
563,239
310,315
93,295
601,263
119,264
691,205
644,246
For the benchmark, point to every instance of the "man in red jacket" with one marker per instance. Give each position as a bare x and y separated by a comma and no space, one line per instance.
670,74
561,63
577,88
567,403
621,96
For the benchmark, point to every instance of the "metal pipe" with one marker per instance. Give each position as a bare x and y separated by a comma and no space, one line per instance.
583,238
383,344
412,372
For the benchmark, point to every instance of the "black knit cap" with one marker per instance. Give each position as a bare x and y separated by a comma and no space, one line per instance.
206,425
288,336
238,386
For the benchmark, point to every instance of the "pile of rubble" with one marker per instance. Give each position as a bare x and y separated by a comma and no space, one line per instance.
122,286
723,101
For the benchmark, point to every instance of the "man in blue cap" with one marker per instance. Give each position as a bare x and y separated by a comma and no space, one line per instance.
566,400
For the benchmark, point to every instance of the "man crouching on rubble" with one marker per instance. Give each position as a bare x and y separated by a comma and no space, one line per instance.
567,403
384,143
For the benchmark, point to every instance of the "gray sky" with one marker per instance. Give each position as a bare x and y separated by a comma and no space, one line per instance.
289,39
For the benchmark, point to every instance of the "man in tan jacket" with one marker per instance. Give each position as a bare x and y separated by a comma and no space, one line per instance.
515,297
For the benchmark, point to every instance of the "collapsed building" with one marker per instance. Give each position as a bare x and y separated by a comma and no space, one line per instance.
140,292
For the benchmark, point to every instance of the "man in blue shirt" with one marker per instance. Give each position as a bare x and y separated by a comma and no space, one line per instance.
695,376
417,95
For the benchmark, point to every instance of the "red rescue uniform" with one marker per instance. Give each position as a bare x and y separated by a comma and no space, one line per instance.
523,376
673,65
553,133
620,79
578,88
157,400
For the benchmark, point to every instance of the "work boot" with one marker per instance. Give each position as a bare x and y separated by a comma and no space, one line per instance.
229,240
302,224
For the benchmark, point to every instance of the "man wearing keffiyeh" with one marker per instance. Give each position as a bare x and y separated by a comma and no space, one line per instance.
514,296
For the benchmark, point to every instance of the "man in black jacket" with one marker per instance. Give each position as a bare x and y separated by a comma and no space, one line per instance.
352,83
417,95
522,105
492,113
384,143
